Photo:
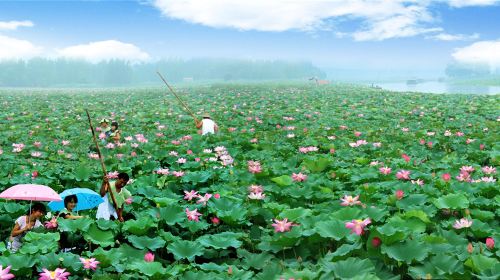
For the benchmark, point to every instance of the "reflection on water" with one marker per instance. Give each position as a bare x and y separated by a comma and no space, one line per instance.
436,87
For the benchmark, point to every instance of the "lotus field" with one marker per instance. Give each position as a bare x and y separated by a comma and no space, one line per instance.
300,182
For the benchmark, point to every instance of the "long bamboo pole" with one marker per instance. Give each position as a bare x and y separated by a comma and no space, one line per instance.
101,159
178,98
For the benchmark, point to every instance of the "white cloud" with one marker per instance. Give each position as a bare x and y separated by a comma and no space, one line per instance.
480,52
104,50
454,37
14,24
466,3
12,48
380,19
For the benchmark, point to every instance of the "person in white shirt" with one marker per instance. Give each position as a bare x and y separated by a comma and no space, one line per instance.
207,125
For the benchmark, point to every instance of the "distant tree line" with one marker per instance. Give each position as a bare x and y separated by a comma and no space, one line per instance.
42,72
466,71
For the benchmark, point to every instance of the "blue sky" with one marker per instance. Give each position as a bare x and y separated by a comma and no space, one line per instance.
369,34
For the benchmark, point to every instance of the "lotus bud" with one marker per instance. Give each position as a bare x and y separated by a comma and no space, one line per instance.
149,257
490,243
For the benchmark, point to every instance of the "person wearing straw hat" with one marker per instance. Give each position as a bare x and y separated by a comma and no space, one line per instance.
24,224
207,125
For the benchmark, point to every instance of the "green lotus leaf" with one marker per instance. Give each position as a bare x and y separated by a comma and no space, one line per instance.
100,237
332,229
172,214
140,226
74,225
148,268
317,165
221,240
143,242
183,249
406,251
452,201
283,180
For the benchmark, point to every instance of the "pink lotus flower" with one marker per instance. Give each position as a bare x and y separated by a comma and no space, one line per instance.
283,225
446,177
112,175
403,175
110,146
357,226
134,145
193,215
216,196
376,241
299,177
385,170
52,224
377,144
133,154
357,133
93,156
348,200
459,133
215,220
257,195
417,182
36,154
175,142
489,170
400,194
470,248
422,141
58,274
173,153
405,129
489,179
490,243
102,135
342,127
332,151
65,142
129,200
37,144
181,160
4,273
468,169
149,257
463,177
1,151
406,157
447,133
462,223
89,263
159,134
468,141
18,147
128,138
178,173
481,147
254,167
197,159
203,199
190,195
34,174
189,152
255,188
429,144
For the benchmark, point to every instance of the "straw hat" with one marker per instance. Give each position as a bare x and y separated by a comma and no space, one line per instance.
206,115
104,121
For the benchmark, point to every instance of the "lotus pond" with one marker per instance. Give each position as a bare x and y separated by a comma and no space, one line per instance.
301,182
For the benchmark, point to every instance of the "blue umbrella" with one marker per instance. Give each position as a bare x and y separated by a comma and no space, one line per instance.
87,199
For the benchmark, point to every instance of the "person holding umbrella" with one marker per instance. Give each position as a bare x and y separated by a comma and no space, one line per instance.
70,202
24,224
